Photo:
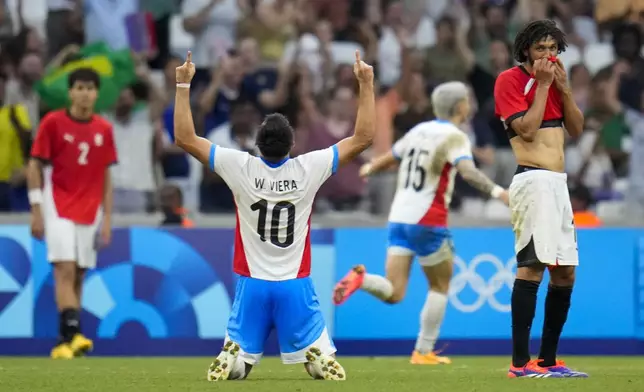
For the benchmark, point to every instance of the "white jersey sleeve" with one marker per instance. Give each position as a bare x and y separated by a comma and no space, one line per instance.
227,163
399,148
458,147
320,164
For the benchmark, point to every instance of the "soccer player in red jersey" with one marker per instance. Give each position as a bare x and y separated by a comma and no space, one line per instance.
70,193
536,106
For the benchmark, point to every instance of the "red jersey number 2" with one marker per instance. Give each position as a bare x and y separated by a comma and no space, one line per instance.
83,148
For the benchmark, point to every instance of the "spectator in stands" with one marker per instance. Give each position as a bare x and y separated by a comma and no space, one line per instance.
213,23
445,61
64,25
238,133
15,137
634,119
258,75
271,24
396,33
6,23
490,22
223,88
20,89
345,190
171,201
581,200
137,128
627,44
161,11
105,21
580,85
588,160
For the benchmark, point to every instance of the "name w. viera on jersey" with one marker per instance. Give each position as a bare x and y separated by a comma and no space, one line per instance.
276,185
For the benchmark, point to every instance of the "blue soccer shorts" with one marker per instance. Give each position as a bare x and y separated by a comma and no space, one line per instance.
432,245
289,306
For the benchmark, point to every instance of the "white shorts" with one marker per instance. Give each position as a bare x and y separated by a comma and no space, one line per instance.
68,241
542,219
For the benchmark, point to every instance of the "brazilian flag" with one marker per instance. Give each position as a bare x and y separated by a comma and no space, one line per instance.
116,69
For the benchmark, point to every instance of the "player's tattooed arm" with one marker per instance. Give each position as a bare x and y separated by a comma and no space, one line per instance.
475,177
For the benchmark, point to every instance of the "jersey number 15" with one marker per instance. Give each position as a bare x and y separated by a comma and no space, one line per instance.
274,231
415,171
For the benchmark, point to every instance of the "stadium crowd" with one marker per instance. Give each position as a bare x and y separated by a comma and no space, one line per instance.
295,56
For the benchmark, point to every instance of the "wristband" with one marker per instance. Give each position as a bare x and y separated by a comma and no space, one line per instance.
369,166
35,196
496,191
183,85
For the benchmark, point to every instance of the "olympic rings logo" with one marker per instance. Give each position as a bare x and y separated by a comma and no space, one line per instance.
485,289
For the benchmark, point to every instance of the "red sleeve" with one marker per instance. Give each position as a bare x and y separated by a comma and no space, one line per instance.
509,101
42,145
111,157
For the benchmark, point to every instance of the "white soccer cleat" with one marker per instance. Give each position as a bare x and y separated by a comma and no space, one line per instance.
221,367
325,366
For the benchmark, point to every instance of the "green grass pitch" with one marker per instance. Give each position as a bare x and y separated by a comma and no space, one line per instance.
386,374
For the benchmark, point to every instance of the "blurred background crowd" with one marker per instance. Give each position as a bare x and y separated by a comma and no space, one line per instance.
295,57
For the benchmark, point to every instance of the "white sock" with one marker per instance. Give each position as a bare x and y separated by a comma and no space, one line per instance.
431,319
239,370
378,286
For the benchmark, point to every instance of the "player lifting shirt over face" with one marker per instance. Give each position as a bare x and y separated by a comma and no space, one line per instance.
536,106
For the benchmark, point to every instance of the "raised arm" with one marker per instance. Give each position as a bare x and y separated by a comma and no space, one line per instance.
365,128
184,126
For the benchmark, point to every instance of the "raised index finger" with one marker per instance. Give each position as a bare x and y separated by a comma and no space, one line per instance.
357,56
189,57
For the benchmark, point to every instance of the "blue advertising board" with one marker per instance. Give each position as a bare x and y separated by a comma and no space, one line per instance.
169,292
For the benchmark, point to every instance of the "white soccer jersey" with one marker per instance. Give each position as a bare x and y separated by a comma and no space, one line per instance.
274,203
428,154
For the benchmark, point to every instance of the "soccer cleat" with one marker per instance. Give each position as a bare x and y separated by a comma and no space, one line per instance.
561,368
349,284
221,367
325,365
532,370
428,359
62,351
81,345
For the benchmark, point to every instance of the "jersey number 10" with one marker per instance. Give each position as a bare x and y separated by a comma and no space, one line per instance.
415,169
276,211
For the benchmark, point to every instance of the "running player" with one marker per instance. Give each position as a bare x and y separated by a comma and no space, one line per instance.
70,190
535,104
429,155
274,197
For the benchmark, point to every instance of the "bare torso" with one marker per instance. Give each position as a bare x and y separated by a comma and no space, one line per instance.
546,151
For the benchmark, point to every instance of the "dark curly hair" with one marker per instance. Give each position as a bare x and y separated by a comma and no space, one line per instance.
535,32
275,137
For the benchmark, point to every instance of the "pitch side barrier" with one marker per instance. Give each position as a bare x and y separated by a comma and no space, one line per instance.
169,291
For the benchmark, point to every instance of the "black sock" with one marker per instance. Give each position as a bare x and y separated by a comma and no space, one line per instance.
69,324
524,302
557,305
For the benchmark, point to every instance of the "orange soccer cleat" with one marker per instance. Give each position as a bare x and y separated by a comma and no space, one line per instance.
349,284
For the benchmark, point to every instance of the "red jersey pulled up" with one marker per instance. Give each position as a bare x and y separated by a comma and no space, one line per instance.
514,93
79,153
